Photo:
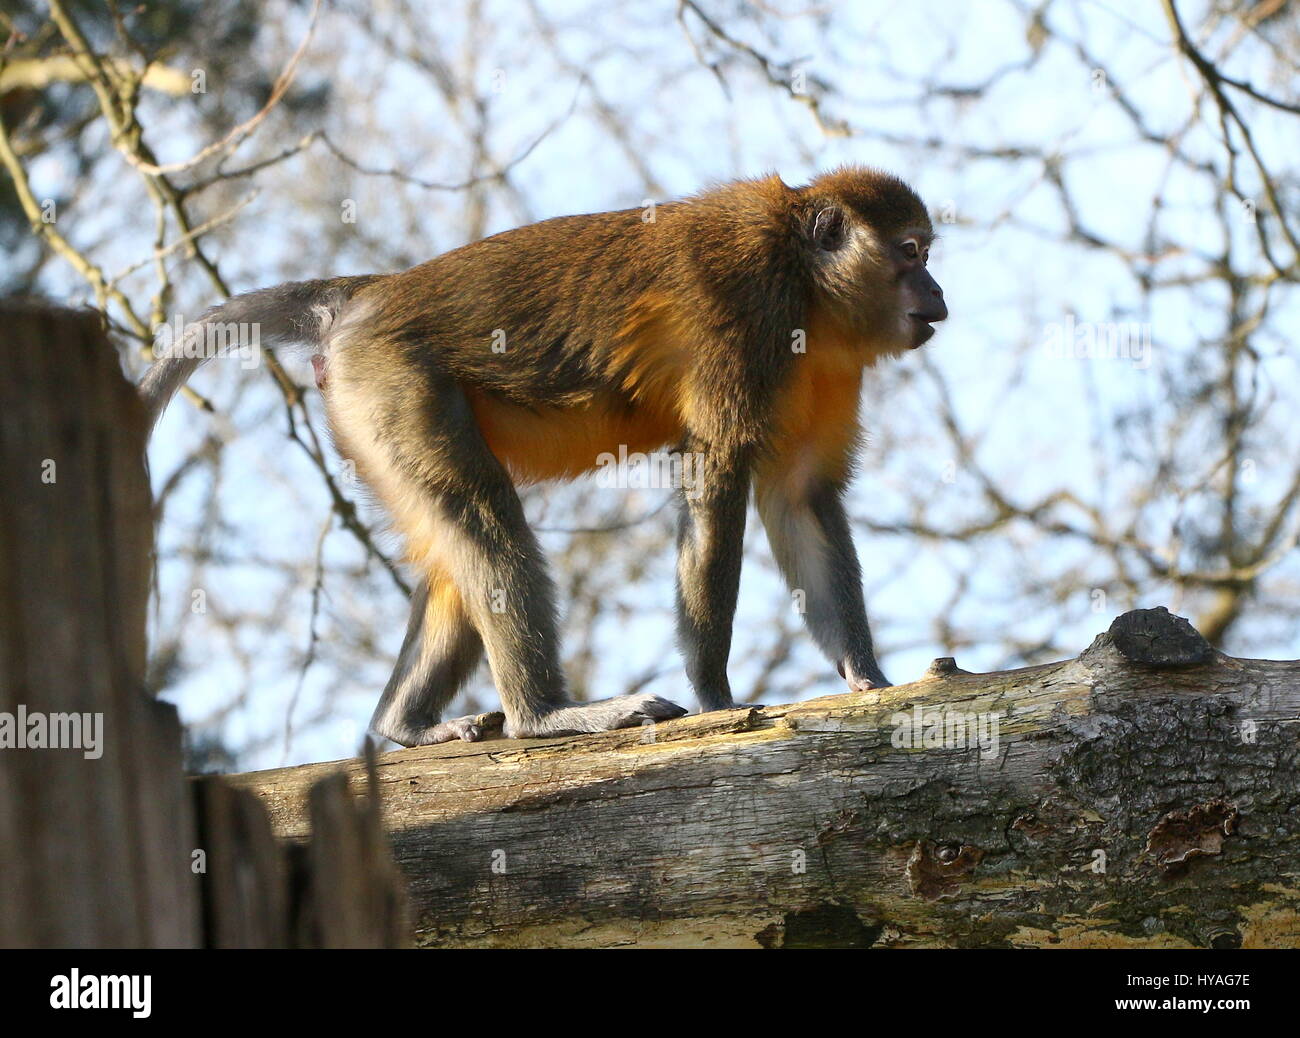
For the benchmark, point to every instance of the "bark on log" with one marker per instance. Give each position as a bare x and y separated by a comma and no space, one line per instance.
1145,794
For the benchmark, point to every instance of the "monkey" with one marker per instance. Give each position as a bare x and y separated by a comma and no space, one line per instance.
735,324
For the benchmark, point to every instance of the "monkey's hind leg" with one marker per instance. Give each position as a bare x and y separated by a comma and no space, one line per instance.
440,652
419,444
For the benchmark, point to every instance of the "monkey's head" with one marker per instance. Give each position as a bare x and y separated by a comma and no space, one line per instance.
868,238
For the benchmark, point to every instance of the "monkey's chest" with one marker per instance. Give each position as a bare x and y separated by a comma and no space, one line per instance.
815,428
561,443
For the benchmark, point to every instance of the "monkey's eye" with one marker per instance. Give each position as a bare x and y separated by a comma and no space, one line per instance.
911,249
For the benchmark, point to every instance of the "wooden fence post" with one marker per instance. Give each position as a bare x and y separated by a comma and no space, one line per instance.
94,841
98,839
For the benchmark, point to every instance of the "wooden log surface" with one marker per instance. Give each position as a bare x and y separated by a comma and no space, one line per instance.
1146,793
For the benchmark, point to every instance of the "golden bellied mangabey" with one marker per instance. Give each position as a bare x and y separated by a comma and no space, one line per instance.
735,325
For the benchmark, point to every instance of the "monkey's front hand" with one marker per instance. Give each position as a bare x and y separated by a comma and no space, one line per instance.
603,716
862,672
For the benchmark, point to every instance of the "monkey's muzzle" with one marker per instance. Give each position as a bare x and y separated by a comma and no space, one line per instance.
929,306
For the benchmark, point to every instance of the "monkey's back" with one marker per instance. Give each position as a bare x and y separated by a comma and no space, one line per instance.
578,334
530,314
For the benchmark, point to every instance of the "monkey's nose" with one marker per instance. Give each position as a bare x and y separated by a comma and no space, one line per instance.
938,309
927,296
932,309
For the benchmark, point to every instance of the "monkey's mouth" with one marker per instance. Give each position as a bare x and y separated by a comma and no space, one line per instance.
922,330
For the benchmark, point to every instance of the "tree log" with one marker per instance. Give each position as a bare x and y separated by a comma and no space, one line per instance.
1144,794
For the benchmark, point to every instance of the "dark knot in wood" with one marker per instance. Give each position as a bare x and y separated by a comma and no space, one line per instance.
942,667
1158,638
936,870
1197,832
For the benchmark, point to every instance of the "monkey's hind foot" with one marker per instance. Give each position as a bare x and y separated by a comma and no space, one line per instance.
469,729
603,716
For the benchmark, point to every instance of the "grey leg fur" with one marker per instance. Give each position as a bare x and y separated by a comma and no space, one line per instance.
710,544
440,652
416,440
813,546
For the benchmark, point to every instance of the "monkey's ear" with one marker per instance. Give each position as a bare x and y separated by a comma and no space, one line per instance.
828,228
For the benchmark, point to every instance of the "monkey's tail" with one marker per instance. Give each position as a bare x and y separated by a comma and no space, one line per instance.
296,312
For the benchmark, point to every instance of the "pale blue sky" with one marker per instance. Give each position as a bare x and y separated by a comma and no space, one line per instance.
1005,284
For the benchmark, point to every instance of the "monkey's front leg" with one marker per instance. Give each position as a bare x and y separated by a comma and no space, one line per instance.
710,541
810,538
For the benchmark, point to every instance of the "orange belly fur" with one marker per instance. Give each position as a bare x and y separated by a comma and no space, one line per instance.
814,434
562,443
